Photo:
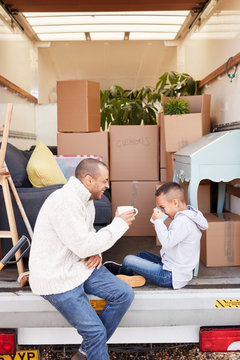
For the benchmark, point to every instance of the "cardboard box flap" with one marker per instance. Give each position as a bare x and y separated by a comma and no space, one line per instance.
197,103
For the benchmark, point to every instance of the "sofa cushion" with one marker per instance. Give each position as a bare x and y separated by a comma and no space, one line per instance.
32,200
103,211
17,163
43,169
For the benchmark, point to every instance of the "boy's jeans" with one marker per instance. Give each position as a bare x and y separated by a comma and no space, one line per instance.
148,265
95,330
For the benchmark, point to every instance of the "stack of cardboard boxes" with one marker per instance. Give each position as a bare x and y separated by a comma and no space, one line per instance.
177,131
78,104
134,161
220,244
134,172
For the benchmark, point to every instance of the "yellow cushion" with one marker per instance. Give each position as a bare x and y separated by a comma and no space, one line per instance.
43,169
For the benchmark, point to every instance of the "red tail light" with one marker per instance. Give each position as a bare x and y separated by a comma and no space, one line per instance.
7,342
219,338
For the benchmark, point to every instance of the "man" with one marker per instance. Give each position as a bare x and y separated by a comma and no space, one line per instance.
65,259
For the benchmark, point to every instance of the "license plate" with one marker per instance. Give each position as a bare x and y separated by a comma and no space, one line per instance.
22,355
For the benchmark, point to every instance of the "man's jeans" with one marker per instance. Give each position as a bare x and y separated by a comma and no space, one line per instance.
95,330
148,265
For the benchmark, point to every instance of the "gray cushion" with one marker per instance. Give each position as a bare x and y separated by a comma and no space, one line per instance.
17,163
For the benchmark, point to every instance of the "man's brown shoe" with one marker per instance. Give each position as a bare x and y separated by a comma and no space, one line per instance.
79,356
134,280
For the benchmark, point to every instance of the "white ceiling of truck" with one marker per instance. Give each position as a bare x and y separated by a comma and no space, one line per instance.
170,20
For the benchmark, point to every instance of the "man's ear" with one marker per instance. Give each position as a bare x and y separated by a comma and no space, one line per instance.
88,179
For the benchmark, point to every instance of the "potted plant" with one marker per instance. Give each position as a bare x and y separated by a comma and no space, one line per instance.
134,149
182,124
176,107
174,84
121,107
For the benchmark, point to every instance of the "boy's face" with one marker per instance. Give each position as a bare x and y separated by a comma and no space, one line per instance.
169,207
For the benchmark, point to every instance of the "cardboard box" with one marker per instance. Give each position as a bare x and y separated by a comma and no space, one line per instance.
84,144
170,163
134,152
220,245
163,175
163,163
141,194
204,195
78,106
181,130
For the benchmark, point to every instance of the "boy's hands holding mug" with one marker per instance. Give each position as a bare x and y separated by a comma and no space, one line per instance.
157,214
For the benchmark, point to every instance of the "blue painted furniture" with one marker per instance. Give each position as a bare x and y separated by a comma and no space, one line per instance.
215,156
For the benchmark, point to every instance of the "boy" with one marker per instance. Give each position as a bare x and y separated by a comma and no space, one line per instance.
180,242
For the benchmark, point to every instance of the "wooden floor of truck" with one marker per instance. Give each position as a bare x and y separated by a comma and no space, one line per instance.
210,277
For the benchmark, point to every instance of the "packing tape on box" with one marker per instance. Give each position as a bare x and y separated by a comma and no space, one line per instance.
228,237
134,193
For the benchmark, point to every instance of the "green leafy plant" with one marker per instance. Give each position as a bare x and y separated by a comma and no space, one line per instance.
121,107
176,106
174,84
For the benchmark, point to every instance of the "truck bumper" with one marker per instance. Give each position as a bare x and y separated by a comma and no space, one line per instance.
155,316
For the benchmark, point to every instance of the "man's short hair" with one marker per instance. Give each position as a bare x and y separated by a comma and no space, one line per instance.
171,190
89,167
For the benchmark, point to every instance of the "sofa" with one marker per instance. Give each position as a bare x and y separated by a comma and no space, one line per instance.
32,198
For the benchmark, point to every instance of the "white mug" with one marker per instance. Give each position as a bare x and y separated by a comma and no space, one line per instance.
164,217
122,209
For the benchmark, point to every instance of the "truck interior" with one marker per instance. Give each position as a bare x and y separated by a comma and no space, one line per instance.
129,44
197,33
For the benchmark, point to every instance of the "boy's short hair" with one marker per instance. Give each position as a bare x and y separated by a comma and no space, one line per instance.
171,190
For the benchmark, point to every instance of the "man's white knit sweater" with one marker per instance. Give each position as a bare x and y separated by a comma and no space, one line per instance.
64,236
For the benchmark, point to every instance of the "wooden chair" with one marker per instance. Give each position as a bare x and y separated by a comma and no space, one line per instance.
4,176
